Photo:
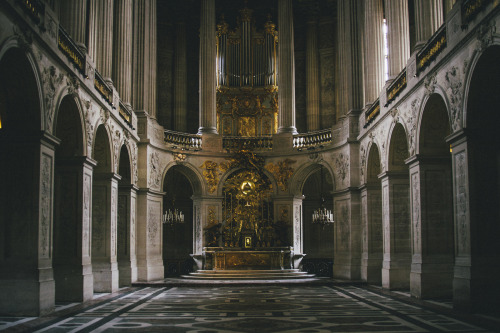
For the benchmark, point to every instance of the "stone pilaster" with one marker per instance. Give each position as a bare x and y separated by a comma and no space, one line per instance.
312,76
180,78
104,233
374,50
144,57
428,18
73,18
432,227
100,46
126,230
149,231
286,69
396,229
208,79
398,35
122,49
289,210
372,248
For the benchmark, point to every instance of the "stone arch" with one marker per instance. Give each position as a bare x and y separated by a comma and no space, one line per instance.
431,203
25,187
477,184
68,222
102,151
371,219
178,239
297,181
398,148
191,173
318,240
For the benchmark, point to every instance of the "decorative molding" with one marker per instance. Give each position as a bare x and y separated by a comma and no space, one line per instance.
89,127
117,141
455,94
134,153
282,171
179,157
24,38
411,121
86,216
430,83
153,226
416,213
114,195
363,156
211,174
485,35
51,82
104,116
461,193
73,84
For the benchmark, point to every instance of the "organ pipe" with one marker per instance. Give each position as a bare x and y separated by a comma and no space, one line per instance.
246,57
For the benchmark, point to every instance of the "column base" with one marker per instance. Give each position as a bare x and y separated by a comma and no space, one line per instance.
105,277
396,275
431,280
73,283
371,271
150,270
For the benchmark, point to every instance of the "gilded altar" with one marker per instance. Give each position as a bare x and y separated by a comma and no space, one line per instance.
219,258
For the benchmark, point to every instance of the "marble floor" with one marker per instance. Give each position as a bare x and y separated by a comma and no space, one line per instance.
250,308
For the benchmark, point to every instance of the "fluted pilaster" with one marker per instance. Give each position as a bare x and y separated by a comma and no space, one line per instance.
101,36
73,18
374,50
122,50
428,18
341,91
286,69
312,77
180,79
208,77
398,35
144,57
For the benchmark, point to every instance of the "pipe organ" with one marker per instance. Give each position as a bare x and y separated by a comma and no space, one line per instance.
247,90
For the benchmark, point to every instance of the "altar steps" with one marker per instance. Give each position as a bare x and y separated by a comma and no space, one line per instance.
275,274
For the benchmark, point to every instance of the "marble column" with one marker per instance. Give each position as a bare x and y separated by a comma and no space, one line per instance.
104,232
396,230
180,78
374,50
428,18
286,69
432,223
208,79
73,18
398,35
122,50
312,76
101,36
341,91
350,57
144,57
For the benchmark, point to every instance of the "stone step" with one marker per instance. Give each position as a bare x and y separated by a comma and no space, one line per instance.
249,274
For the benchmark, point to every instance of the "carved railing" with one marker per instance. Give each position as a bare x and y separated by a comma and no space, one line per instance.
34,8
183,140
238,142
311,139
372,112
71,50
396,87
435,45
470,8
103,88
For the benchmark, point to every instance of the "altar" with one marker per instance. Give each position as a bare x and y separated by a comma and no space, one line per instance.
219,258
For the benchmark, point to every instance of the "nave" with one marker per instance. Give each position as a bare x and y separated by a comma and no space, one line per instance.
253,308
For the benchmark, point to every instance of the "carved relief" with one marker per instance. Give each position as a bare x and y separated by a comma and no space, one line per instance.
411,120
86,216
283,214
297,225
455,95
104,116
179,157
154,170
342,167
386,219
132,223
485,35
282,171
113,221
51,82
45,205
73,84
135,171
211,175
430,83
122,224
116,145
364,221
343,226
98,218
461,192
416,213
89,127
363,154
153,226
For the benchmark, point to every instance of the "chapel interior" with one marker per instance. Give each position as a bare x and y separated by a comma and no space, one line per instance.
353,140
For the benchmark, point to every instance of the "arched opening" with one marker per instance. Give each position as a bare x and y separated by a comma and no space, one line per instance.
483,151
19,186
178,238
395,214
68,220
371,219
125,220
104,194
318,240
431,205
